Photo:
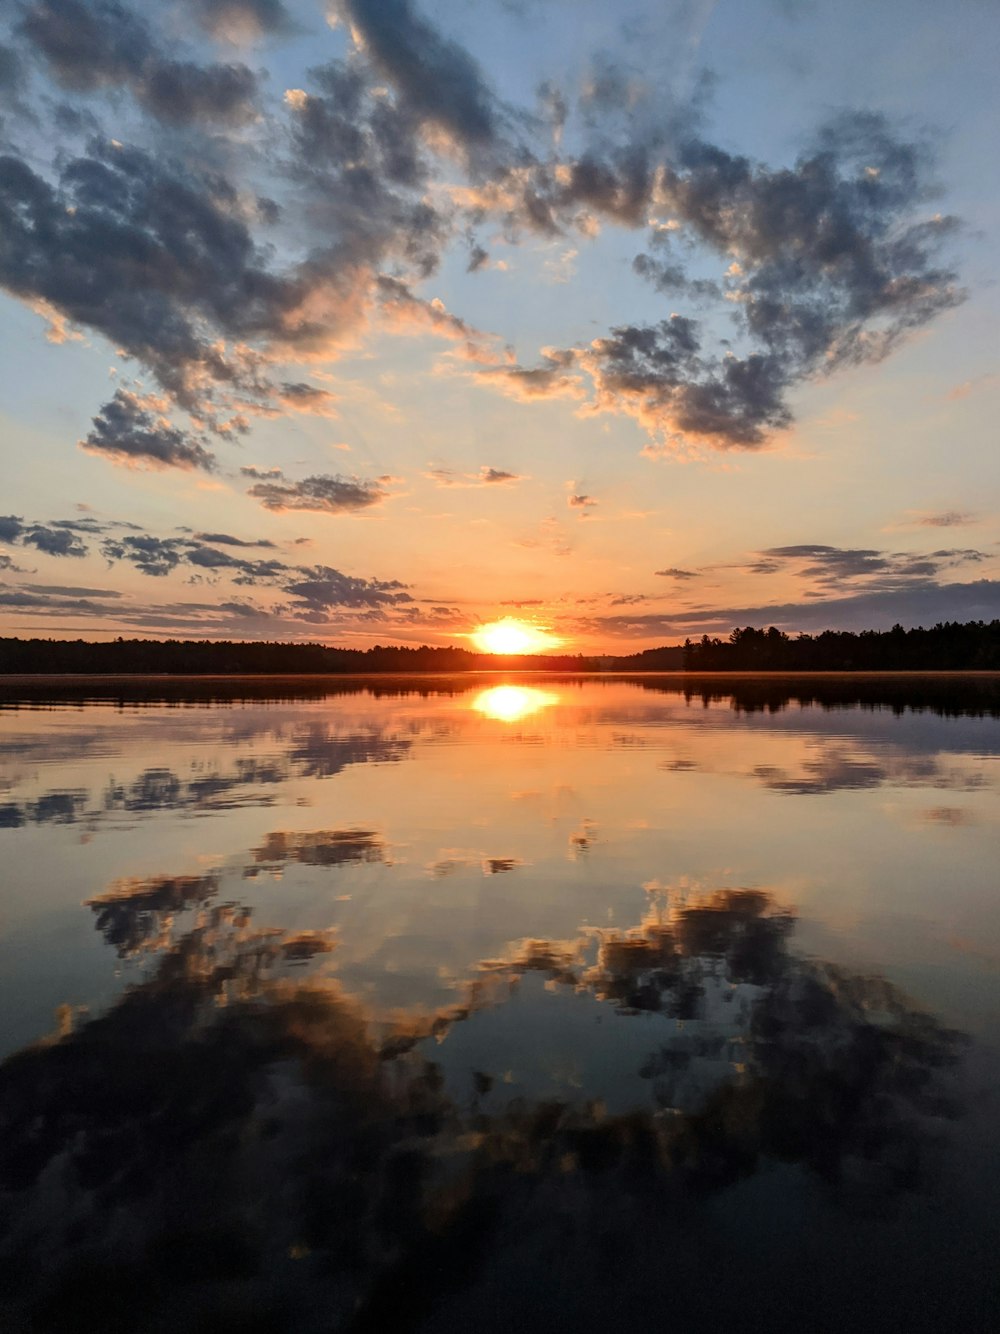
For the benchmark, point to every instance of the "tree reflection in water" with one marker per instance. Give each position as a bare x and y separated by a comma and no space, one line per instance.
235,1147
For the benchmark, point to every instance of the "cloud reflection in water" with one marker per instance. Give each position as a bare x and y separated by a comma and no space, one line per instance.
233,1142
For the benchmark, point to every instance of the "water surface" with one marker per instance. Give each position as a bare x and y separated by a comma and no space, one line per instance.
527,1003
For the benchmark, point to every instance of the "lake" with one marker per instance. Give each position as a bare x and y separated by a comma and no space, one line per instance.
500,1003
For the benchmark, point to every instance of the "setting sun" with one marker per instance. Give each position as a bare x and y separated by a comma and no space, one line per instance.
513,636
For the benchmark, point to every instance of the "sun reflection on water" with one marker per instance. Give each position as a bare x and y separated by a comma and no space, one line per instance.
509,704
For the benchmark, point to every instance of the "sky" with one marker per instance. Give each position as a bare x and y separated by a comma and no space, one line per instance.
373,321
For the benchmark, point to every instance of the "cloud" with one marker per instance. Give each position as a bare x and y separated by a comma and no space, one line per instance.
180,92
922,604
828,263
246,571
830,568
946,519
550,379
227,540
152,555
134,431
325,588
435,78
675,573
388,156
657,374
404,312
582,503
53,541
486,476
670,278
56,539
262,474
323,493
303,397
89,45
149,256
61,590
13,79
364,169
242,20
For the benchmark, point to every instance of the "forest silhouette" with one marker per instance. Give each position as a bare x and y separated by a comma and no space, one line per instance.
947,646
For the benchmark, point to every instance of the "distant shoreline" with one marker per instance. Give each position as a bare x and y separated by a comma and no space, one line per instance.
679,674
951,646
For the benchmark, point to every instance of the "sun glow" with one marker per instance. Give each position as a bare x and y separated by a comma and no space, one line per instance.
508,704
512,636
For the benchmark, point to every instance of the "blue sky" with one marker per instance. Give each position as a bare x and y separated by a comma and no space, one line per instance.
374,321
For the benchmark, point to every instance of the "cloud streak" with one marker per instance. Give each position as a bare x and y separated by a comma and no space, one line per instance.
323,494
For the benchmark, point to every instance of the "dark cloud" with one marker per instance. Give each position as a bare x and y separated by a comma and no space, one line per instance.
151,555
324,493
493,475
262,474
307,398
434,77
83,525
477,258
325,588
831,568
151,257
672,279
246,571
581,502
921,604
675,573
61,537
830,263
88,44
49,604
53,541
227,540
360,158
93,44
12,75
130,431
180,92
61,590
657,374
160,556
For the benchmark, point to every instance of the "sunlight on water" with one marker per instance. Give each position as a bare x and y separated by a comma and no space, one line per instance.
509,704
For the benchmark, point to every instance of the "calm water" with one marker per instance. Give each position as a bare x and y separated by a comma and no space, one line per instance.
500,1004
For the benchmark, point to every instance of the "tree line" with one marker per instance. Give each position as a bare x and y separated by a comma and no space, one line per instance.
175,657
947,646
